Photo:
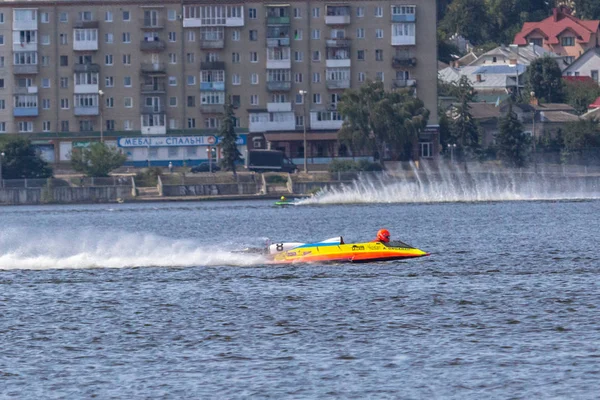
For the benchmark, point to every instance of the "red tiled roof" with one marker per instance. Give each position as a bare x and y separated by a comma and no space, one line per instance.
595,104
556,24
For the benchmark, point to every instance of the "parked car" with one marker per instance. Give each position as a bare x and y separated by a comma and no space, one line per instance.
205,167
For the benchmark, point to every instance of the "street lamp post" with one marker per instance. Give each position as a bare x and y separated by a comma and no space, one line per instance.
100,94
209,153
1,177
451,147
303,94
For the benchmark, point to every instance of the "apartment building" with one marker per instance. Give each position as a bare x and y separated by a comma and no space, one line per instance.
153,77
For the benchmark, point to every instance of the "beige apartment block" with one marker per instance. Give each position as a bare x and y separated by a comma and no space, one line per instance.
76,71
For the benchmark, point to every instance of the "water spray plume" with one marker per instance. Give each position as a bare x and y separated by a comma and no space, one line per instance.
450,183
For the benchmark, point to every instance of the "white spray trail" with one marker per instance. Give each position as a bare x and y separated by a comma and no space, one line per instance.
24,249
452,184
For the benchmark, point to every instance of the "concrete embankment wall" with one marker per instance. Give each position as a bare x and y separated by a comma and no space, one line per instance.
210,189
98,194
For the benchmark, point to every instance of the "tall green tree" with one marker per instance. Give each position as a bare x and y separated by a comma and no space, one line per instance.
464,131
468,18
587,9
513,145
544,78
228,139
377,119
97,160
21,160
580,95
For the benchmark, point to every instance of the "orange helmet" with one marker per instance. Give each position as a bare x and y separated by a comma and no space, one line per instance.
383,235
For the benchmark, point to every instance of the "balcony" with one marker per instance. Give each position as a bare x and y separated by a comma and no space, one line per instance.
337,15
404,18
404,40
25,69
25,90
325,120
154,129
278,42
25,112
212,108
399,62
262,122
153,46
273,20
212,65
339,84
153,68
85,45
95,68
212,86
279,64
25,25
279,86
24,46
157,87
338,63
152,23
156,109
212,44
279,107
338,43
79,24
403,83
87,88
87,111
235,21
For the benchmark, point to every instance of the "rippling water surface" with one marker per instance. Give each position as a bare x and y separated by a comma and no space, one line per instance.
147,301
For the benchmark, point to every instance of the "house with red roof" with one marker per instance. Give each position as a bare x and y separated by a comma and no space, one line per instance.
561,33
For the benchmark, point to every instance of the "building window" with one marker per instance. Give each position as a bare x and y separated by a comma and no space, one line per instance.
379,12
64,126
25,126
235,35
299,98
191,123
252,13
64,82
127,81
127,125
128,102
64,61
110,124
569,59
253,35
108,16
63,39
298,56
316,77
172,58
172,15
360,12
378,33
379,76
172,36
191,80
567,41
86,126
173,101
254,79
254,100
378,55
109,81
172,81
235,79
191,101
2,127
63,17
108,38
360,33
316,34
298,77
316,12
190,57
316,98
360,55
46,125
126,37
46,104
108,59
191,36
316,55
537,41
45,83
64,104
299,120
126,59
45,18
45,40
235,58
126,16
361,76
253,56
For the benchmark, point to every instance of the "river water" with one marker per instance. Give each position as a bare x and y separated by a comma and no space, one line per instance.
147,301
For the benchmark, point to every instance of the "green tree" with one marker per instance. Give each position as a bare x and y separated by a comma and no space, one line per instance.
588,9
464,131
580,95
228,139
21,160
97,160
513,144
468,18
544,78
580,135
378,119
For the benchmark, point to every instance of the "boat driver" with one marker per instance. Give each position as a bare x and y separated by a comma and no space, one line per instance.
282,198
383,236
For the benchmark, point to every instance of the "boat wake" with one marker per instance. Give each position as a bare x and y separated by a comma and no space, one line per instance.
23,249
452,184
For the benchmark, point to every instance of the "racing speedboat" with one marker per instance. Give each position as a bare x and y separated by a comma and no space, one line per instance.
335,250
